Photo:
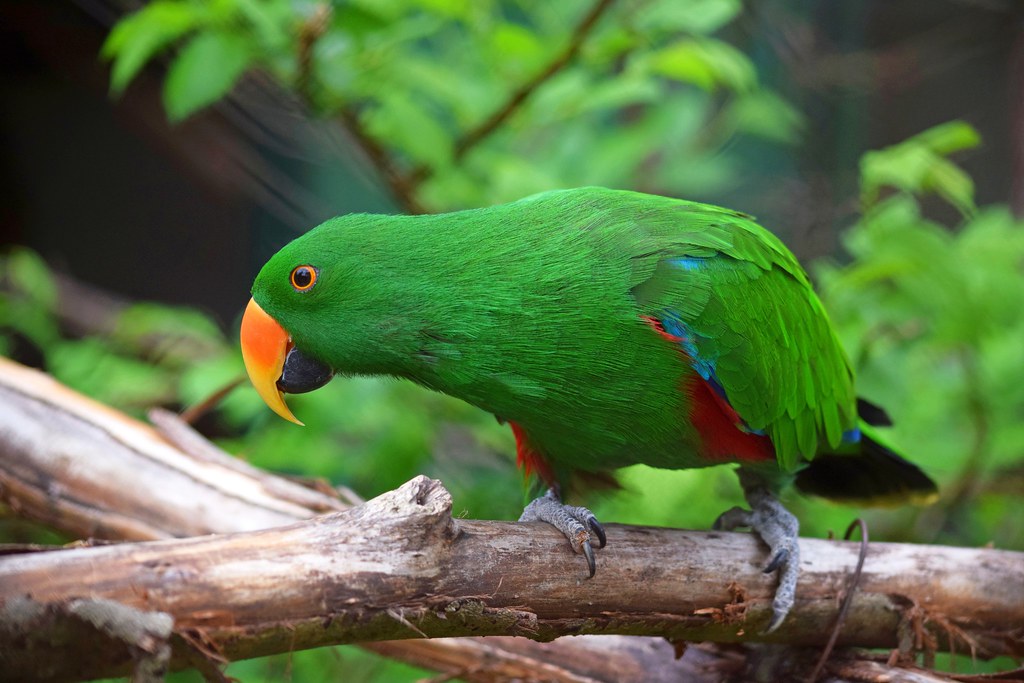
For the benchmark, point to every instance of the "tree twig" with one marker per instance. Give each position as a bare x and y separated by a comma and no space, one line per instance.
483,130
310,32
401,189
847,599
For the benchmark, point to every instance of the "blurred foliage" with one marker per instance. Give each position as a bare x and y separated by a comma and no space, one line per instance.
932,318
929,313
920,165
418,76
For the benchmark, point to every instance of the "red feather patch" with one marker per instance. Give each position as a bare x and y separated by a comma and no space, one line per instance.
528,459
717,423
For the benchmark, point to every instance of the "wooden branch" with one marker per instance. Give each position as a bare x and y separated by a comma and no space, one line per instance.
582,659
84,468
64,459
400,566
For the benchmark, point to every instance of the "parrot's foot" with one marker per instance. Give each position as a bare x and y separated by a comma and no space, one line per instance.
780,530
577,523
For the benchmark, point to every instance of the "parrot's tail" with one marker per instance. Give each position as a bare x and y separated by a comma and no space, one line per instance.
867,472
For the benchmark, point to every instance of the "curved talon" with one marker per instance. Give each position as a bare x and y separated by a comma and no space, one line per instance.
578,524
588,551
733,518
777,561
776,621
598,530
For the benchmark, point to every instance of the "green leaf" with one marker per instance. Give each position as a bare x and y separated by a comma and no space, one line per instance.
172,335
707,63
696,16
515,49
624,91
410,127
609,45
919,165
452,9
28,298
91,367
357,21
204,71
272,22
767,115
34,323
139,37
28,273
947,138
562,97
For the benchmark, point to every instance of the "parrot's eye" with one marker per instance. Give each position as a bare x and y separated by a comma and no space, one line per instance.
303,278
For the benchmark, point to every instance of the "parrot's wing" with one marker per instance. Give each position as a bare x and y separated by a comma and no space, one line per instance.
749,323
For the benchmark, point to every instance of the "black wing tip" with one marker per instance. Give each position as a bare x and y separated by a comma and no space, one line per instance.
876,476
873,413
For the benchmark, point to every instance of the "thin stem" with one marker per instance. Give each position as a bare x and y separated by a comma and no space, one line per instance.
310,33
847,600
472,138
401,188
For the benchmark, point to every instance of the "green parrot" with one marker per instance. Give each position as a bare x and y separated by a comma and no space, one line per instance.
608,328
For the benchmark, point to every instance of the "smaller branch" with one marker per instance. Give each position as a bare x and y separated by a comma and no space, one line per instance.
516,100
401,188
581,659
312,30
84,468
867,671
312,497
847,599
195,412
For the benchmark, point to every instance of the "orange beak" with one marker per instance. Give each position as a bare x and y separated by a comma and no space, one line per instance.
264,347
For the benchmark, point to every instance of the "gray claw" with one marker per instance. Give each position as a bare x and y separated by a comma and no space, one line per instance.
777,561
588,552
598,530
776,621
779,529
577,523
733,518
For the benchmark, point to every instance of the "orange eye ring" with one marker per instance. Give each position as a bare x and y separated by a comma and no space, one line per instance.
303,278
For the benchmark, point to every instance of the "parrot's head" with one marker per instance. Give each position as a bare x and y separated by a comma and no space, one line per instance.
316,308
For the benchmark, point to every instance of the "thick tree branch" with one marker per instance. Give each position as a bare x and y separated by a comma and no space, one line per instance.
65,459
400,566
